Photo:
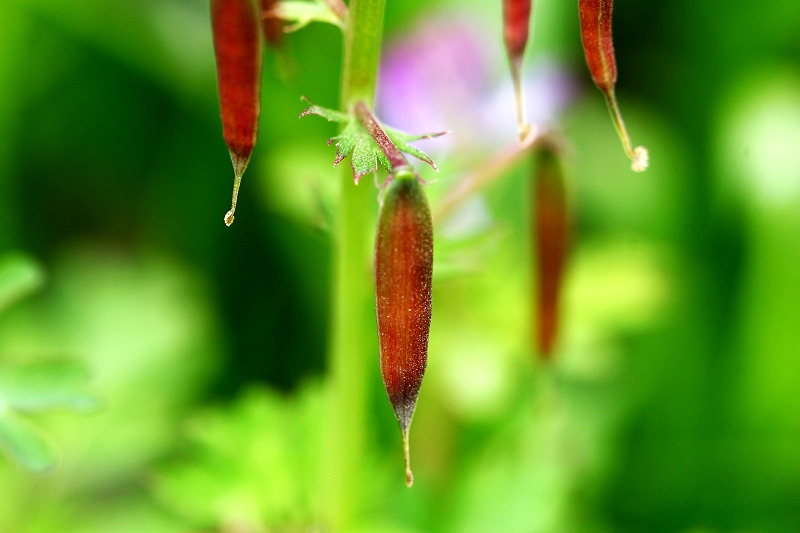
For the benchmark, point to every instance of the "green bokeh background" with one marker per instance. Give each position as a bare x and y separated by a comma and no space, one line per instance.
673,403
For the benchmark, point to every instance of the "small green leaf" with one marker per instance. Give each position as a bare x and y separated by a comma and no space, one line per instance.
345,142
330,115
19,276
356,140
45,386
301,14
25,444
401,140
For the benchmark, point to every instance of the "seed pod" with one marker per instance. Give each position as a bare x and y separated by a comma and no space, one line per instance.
516,21
237,46
403,270
551,233
598,47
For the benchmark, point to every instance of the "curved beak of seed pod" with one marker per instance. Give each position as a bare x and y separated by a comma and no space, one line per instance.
598,47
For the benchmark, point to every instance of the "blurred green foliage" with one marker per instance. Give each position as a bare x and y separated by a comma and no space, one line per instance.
34,387
671,406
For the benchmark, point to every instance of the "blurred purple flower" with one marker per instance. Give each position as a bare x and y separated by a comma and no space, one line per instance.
450,74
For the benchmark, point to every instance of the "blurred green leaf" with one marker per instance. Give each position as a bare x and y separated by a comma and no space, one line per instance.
25,444
20,275
301,14
256,463
44,386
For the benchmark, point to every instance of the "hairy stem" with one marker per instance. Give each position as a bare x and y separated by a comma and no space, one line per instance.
353,343
396,159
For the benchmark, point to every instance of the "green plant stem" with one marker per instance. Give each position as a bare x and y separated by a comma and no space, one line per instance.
362,49
353,349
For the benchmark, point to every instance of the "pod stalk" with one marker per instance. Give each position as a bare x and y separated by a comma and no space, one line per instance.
237,181
640,158
407,456
598,47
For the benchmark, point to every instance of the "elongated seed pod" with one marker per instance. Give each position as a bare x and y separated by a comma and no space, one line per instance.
551,234
598,46
403,270
237,46
516,21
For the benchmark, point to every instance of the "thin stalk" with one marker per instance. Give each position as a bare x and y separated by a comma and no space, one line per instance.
638,155
353,343
491,170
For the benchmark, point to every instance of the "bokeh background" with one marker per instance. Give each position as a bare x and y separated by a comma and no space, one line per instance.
187,360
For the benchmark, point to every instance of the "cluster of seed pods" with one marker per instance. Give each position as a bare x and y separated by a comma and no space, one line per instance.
403,262
403,256
598,47
551,221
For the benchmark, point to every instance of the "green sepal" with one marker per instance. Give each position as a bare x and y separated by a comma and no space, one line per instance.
331,115
401,140
300,14
355,139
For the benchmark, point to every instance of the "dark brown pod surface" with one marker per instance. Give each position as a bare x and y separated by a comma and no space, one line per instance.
552,235
237,47
403,272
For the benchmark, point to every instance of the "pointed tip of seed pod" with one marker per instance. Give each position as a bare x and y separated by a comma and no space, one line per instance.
407,455
240,162
641,159
237,181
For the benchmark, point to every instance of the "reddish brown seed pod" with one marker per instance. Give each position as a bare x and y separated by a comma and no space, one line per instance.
403,271
237,47
598,47
516,22
551,234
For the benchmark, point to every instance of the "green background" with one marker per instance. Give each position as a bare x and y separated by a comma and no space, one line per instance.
673,401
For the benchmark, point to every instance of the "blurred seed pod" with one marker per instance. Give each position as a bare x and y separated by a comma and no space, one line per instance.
551,240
